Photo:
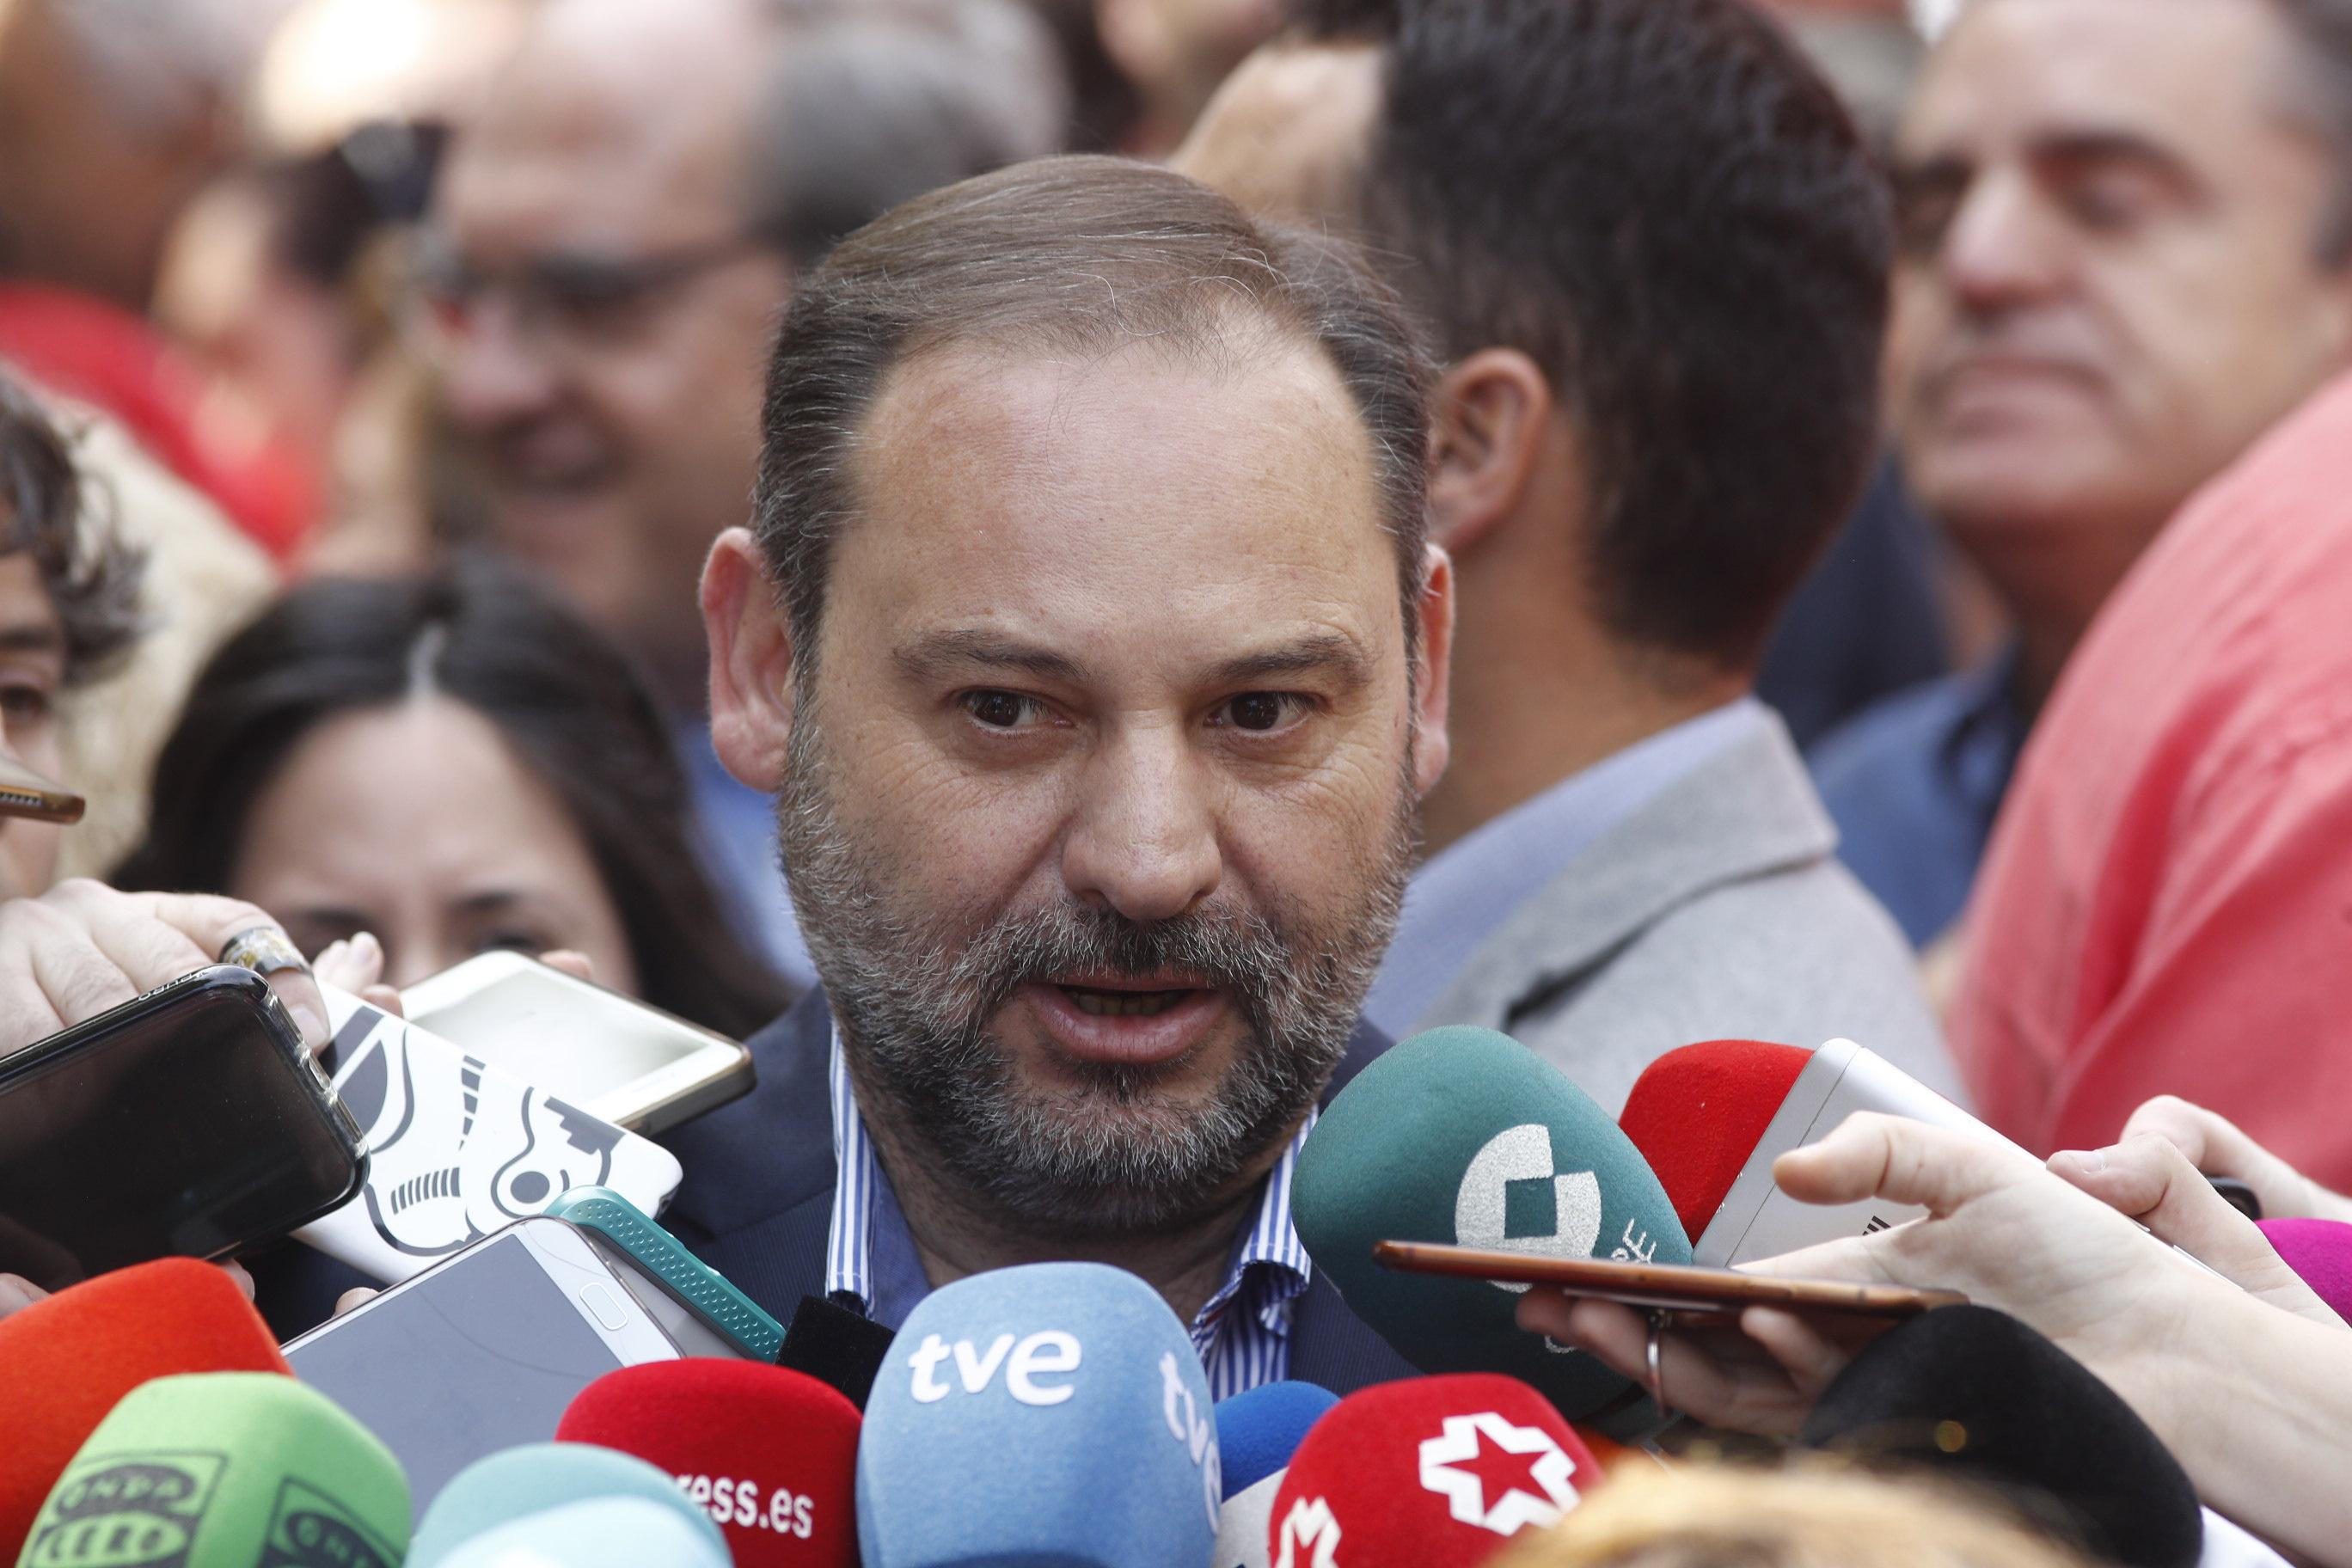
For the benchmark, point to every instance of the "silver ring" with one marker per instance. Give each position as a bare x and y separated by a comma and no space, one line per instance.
1659,1320
265,950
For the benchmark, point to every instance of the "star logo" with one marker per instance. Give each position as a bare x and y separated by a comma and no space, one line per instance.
1310,1536
1497,1476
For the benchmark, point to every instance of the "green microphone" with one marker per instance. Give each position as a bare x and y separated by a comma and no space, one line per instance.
1464,1136
226,1469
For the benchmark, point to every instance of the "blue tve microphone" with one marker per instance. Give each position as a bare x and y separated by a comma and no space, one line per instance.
610,1533
516,1485
1066,1394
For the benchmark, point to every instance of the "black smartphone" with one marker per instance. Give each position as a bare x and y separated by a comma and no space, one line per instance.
190,1123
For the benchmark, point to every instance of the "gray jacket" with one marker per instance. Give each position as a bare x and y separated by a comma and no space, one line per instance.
1717,911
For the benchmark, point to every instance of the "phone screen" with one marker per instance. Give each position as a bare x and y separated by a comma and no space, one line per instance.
476,1355
177,1126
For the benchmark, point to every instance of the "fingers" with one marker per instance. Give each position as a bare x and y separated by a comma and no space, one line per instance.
352,1299
2217,1146
1875,1156
578,965
236,1272
17,1293
1717,1376
2150,1178
353,966
209,921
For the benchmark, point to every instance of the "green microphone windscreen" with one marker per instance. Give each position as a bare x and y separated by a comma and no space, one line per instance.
226,1469
1464,1136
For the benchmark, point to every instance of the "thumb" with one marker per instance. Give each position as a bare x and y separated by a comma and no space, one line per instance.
1872,1155
2150,1178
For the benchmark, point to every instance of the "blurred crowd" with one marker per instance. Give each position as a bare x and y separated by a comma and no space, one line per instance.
1893,579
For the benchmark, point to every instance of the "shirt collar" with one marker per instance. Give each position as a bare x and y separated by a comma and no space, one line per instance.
868,1232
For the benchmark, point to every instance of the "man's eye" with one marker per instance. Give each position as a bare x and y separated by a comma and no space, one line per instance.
1259,711
22,704
1000,710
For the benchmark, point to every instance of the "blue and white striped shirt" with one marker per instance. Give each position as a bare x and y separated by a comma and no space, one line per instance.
1242,1332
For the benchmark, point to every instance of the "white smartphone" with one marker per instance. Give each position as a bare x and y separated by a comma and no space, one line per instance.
480,1352
615,1057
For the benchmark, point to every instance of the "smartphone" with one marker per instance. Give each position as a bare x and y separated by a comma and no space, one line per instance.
190,1121
615,1057
26,794
481,1352
1691,1294
694,1302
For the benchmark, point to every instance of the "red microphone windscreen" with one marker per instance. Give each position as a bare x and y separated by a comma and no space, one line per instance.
66,1362
1697,1113
1437,1472
769,1454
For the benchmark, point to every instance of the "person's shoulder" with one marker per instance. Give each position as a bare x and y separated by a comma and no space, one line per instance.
771,1149
1896,736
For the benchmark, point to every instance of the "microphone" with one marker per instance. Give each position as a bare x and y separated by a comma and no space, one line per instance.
838,1347
610,1533
1464,1135
2320,1250
520,1486
71,1359
1432,1472
771,1455
1065,1395
226,1469
1712,1117
1256,1433
1981,1397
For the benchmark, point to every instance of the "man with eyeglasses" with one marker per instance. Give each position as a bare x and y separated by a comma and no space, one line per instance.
611,242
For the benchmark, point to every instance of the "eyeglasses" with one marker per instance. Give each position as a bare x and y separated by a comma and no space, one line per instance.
557,303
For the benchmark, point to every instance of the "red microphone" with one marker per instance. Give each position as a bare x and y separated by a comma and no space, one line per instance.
1712,1117
1432,1472
771,1455
66,1362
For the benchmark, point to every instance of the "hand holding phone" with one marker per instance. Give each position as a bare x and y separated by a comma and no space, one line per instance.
1681,1293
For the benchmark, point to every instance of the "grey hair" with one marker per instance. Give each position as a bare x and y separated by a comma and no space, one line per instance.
1080,256
2319,50
871,102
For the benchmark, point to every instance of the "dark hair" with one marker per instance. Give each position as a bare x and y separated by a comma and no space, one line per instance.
92,576
1667,209
869,102
568,702
1081,254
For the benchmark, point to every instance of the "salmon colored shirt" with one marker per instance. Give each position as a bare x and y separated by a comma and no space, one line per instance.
2167,904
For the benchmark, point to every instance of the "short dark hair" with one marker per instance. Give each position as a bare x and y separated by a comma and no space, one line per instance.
91,575
1082,254
568,703
2319,57
1668,210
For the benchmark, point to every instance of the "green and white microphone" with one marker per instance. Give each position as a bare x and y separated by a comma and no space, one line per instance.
1464,1136
226,1469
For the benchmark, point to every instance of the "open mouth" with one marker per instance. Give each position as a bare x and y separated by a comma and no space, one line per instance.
1102,1003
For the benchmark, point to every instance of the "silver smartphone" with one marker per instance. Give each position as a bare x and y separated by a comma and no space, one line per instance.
481,1352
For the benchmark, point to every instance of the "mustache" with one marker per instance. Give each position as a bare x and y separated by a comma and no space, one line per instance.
1226,948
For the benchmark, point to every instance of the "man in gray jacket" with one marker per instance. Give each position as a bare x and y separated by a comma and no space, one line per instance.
1653,254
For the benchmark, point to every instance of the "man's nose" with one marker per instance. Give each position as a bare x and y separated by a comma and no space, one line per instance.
1144,839
2005,246
492,370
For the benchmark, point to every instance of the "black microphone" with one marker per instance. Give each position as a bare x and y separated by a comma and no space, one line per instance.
1976,1395
838,1346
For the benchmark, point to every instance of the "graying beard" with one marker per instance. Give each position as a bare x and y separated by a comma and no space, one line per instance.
915,1019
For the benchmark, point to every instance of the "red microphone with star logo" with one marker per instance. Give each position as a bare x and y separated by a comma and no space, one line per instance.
1432,1472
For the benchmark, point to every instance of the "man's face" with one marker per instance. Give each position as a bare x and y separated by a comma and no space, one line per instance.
611,388
1098,801
31,673
2108,283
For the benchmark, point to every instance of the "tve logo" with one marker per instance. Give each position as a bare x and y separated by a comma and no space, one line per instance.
1049,1352
1193,1428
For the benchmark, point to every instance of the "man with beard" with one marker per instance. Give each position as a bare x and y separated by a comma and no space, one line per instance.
1088,631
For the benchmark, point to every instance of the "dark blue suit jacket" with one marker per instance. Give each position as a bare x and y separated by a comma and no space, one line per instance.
757,1203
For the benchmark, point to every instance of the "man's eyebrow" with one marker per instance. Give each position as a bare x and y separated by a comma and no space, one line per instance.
937,654
1326,651
32,637
2096,144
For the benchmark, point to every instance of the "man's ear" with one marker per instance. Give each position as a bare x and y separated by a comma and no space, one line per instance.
1432,687
1493,409
751,661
